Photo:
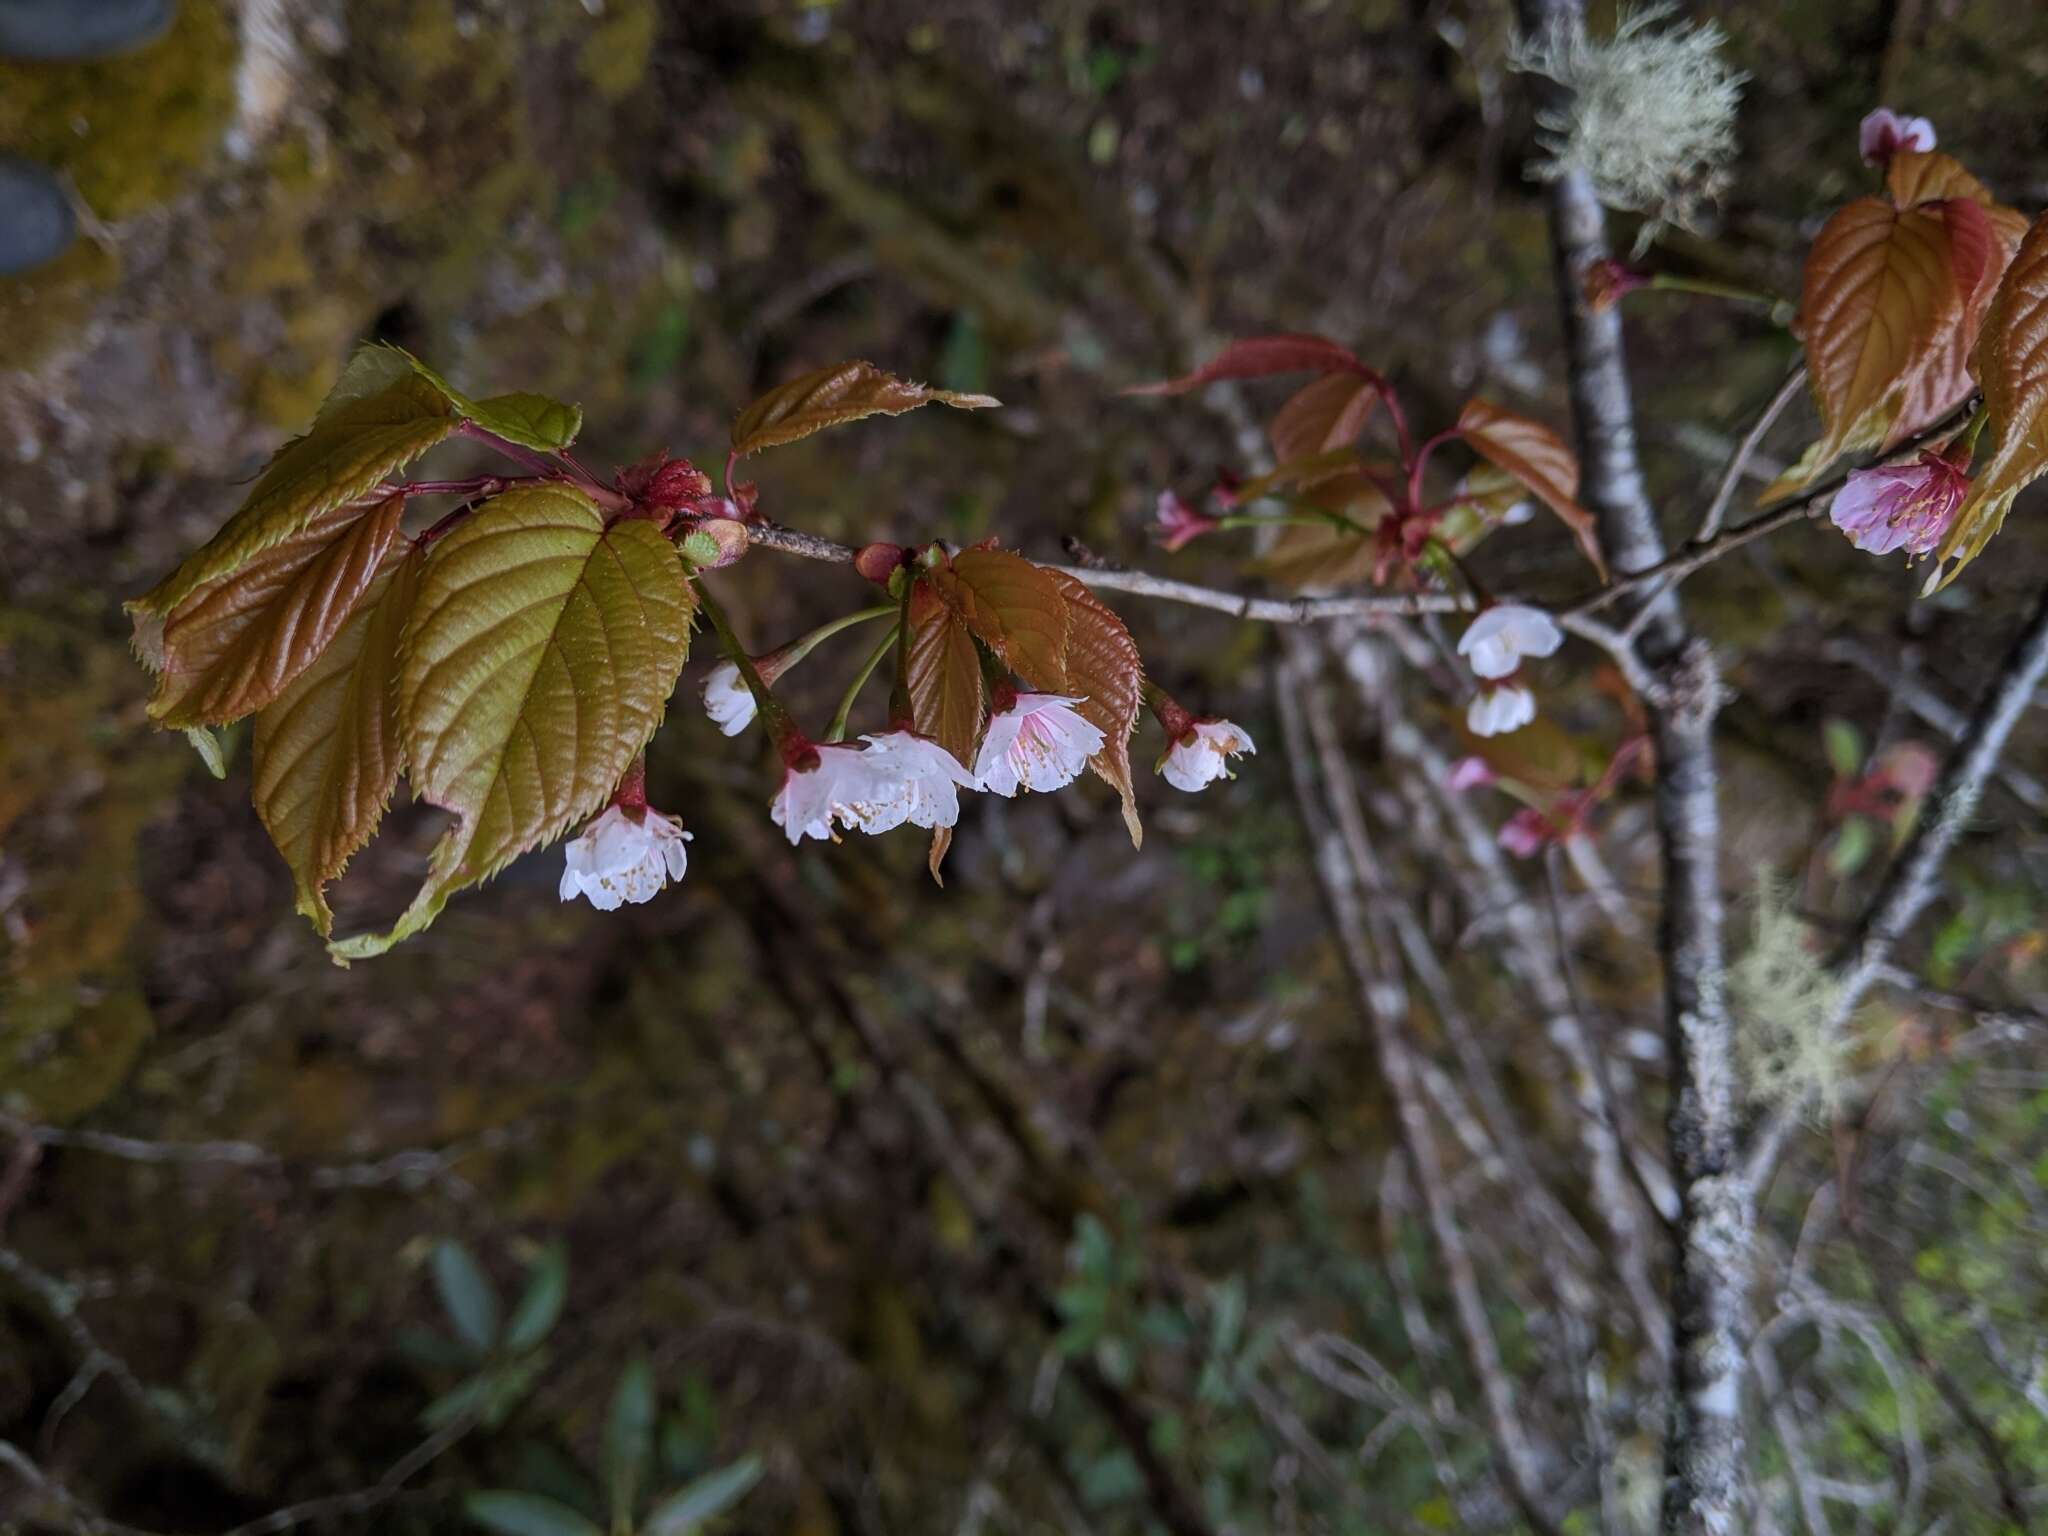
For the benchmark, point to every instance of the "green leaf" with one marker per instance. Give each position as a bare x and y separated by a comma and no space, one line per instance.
326,752
238,641
374,368
547,1287
1844,747
542,649
342,458
946,697
467,1295
1855,841
710,1495
1014,608
532,421
525,1514
629,1438
828,397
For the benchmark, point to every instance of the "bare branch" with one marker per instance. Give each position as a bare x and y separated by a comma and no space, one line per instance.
1724,493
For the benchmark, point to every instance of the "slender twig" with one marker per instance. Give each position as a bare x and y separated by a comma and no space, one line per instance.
362,1500
1738,465
81,1516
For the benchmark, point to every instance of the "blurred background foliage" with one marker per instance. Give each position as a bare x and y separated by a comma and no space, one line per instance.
1064,1199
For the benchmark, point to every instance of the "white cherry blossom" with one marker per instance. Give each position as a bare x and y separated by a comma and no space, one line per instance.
1500,708
896,777
618,857
1496,641
1202,756
728,700
1038,743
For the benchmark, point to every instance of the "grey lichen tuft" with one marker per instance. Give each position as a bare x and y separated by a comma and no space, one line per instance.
1651,117
1783,997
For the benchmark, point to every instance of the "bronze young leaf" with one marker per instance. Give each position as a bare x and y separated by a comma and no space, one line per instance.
234,645
1258,357
947,700
1537,457
1324,414
831,396
326,752
1102,669
1013,607
2011,366
1879,290
1984,239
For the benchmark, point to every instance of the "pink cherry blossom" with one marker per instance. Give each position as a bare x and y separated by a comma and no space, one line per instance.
1202,756
1885,132
1469,773
1499,708
623,856
1496,641
1178,523
1037,743
896,777
1524,833
1907,506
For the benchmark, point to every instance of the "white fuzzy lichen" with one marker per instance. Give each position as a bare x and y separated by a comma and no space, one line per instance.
1783,996
1651,116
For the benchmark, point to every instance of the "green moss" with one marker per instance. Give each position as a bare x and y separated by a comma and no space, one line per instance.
129,131
615,56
